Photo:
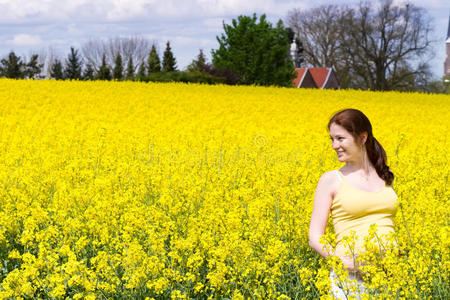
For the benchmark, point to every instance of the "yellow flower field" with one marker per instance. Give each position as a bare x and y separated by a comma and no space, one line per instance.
180,191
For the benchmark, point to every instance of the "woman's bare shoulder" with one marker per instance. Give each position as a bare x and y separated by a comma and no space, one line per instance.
329,181
330,176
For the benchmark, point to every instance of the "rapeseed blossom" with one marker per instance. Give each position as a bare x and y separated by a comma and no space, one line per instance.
181,191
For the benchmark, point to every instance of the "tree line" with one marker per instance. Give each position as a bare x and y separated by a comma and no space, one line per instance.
377,47
74,67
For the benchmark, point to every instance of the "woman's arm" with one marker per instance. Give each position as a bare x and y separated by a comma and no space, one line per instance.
322,204
321,210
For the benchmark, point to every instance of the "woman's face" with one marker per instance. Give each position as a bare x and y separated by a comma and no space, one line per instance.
344,144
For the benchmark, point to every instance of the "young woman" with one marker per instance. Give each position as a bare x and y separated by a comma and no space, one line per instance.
357,195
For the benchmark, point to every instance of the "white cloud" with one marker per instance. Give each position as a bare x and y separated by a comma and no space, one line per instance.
236,7
26,11
428,4
213,23
182,41
74,30
25,40
118,10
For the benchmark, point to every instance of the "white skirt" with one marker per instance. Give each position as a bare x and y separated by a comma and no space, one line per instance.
342,290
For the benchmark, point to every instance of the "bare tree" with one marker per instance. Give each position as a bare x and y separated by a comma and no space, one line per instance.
52,57
135,47
93,51
389,45
381,47
316,28
45,58
42,60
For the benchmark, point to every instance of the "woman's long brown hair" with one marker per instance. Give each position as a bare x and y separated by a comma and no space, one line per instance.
355,122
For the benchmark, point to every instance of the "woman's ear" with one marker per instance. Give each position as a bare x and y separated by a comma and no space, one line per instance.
363,137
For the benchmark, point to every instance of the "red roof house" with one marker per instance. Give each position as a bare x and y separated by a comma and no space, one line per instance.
321,78
304,78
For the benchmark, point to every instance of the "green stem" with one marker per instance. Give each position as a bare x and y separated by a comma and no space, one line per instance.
406,226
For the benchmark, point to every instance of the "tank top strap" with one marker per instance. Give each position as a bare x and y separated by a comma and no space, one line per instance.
339,175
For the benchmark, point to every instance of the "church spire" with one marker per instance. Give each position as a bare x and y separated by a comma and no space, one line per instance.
448,31
447,49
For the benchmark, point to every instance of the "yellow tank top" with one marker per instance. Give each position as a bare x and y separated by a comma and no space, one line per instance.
356,209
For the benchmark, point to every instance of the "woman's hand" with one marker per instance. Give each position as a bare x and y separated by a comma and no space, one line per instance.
350,266
348,263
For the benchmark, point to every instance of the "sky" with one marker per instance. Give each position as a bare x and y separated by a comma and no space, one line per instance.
33,26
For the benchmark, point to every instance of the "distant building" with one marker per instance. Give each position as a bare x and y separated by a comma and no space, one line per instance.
296,51
447,46
321,78
304,79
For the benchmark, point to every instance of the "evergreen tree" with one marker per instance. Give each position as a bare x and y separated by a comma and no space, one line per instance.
169,62
56,70
104,72
74,64
130,69
33,68
154,63
257,51
118,67
12,66
141,72
88,72
198,64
